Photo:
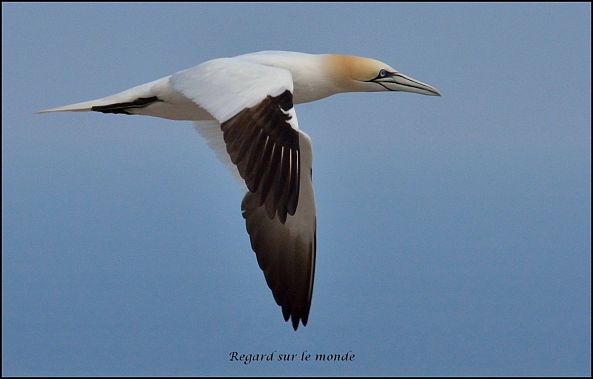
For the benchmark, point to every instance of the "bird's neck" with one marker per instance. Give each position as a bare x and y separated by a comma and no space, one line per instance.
311,74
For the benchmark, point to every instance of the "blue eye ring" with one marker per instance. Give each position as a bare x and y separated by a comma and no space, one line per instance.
383,73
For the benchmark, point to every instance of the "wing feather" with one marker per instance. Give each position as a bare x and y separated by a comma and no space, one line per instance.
253,107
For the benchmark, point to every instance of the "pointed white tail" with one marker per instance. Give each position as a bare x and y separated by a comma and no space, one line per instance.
141,91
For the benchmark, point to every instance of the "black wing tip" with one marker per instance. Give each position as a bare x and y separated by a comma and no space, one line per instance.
285,313
122,108
295,319
295,322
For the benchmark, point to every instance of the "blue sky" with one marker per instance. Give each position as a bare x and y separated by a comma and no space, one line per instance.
453,233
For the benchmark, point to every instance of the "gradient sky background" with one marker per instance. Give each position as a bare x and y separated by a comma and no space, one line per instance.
453,233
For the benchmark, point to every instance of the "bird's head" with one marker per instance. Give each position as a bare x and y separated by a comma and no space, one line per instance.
359,74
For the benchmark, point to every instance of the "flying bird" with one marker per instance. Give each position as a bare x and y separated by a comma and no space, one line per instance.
244,108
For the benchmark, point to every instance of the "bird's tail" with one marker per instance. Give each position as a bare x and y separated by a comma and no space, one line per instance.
85,106
123,102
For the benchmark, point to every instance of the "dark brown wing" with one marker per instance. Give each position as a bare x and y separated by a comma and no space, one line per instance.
275,160
286,257
265,149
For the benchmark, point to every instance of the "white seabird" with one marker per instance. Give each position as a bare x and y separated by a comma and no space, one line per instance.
244,107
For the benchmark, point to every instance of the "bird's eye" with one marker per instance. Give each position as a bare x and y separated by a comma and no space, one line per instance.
382,74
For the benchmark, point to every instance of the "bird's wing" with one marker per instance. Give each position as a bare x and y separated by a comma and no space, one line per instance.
253,104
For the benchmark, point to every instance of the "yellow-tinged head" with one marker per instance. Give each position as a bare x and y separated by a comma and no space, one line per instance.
359,74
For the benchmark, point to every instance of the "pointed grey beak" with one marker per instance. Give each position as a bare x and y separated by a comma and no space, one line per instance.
413,85
400,82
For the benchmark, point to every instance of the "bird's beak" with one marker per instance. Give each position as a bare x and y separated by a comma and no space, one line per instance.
401,82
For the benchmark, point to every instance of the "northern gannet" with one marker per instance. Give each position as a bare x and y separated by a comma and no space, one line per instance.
244,108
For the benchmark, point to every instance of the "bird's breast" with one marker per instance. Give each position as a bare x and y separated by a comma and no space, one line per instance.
307,92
